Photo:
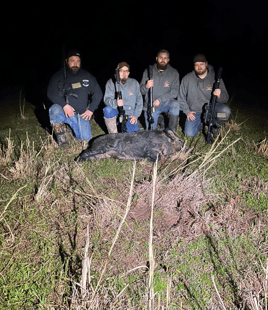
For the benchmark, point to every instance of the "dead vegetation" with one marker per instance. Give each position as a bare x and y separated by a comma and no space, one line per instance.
113,244
262,148
232,125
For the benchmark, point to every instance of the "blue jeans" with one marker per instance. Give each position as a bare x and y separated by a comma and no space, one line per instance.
80,126
111,113
192,127
171,106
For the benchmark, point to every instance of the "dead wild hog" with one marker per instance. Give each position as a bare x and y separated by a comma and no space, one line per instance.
133,146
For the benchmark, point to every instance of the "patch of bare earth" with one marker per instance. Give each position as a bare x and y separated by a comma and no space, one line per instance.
182,211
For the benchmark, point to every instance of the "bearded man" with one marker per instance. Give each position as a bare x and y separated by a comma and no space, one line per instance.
196,90
131,100
165,84
69,91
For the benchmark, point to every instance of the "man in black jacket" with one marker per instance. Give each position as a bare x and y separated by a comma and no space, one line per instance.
69,91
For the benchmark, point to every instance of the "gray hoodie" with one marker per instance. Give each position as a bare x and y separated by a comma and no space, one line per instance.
130,94
166,84
195,92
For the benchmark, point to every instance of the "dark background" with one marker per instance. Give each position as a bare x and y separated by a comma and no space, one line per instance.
231,34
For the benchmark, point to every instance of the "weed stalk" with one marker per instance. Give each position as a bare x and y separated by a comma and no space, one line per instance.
151,254
22,106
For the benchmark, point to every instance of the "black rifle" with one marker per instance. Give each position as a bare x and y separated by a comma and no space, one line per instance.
210,115
122,114
66,88
150,107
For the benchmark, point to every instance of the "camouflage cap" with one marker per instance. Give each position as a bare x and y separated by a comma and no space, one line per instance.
123,64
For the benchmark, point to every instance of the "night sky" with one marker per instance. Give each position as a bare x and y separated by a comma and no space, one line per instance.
231,34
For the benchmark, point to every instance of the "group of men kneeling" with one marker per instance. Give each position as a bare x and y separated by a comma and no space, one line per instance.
70,88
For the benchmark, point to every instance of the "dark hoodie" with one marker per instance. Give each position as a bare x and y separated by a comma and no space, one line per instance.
81,84
195,92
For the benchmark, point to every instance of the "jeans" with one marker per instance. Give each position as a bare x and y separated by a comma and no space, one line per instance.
111,113
80,126
171,106
192,127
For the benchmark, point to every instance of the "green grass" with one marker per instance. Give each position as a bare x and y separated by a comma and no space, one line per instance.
47,201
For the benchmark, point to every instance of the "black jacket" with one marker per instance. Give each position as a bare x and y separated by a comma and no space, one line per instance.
81,84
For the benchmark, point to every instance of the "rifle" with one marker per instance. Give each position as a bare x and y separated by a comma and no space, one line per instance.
210,114
66,89
122,114
150,108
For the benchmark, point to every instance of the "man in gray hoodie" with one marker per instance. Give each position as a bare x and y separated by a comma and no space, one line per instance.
196,90
165,83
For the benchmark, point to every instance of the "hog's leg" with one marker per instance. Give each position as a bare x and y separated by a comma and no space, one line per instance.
87,155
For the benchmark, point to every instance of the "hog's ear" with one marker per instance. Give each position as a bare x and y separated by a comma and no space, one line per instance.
170,134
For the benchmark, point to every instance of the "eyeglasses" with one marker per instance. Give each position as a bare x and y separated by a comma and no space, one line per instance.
124,71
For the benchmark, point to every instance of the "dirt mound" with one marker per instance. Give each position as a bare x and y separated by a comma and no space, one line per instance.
177,205
182,211
177,201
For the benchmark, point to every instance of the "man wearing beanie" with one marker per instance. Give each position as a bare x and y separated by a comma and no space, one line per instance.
196,90
165,84
69,91
131,100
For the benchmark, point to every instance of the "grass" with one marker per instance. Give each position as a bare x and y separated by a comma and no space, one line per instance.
113,234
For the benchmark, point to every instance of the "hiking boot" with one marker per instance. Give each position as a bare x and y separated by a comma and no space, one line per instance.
68,133
59,130
111,125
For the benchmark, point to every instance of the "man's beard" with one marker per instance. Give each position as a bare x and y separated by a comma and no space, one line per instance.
162,66
74,69
123,81
199,73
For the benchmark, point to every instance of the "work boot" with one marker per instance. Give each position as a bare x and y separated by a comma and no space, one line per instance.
68,133
173,122
161,121
111,125
60,134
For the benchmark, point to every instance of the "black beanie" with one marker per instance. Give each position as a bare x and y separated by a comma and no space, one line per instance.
73,53
200,58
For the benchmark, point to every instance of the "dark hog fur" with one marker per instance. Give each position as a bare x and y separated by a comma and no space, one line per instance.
133,146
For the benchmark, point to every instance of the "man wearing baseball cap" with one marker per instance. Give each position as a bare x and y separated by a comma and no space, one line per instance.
196,90
69,91
131,101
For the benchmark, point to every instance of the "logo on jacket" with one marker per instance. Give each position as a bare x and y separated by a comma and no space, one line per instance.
209,88
85,83
130,92
166,84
